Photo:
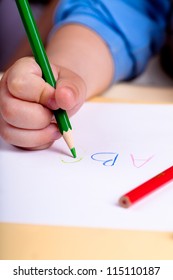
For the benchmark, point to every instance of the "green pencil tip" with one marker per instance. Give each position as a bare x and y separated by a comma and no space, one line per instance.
73,151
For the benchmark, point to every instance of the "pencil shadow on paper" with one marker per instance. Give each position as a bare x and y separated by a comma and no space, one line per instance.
60,151
5,147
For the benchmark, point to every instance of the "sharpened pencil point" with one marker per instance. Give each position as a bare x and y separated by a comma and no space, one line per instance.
73,151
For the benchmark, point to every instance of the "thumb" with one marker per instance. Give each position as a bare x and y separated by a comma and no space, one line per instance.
70,92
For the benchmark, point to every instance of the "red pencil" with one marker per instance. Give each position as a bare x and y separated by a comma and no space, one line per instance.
146,188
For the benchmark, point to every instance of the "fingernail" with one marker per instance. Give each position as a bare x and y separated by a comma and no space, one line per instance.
66,98
68,91
56,135
51,103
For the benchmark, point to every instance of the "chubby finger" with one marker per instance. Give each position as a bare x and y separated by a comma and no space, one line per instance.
30,139
24,81
23,114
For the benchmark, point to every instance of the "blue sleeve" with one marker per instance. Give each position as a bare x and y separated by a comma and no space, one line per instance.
133,30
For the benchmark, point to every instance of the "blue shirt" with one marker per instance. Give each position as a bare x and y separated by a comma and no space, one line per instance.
134,30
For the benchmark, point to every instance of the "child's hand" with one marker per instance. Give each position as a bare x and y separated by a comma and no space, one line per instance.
26,99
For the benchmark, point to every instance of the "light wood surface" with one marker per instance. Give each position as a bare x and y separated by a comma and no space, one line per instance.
125,92
72,243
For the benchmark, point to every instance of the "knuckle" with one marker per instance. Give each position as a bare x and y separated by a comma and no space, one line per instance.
5,133
8,112
17,84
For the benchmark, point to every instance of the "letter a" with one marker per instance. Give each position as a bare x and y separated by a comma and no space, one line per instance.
138,162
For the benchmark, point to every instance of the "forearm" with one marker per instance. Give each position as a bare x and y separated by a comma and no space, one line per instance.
82,51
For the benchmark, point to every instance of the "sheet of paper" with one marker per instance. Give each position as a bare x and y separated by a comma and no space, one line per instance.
119,146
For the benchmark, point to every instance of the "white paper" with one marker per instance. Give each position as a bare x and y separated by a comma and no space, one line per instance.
119,146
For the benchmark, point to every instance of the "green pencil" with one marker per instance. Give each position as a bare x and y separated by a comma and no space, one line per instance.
42,59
